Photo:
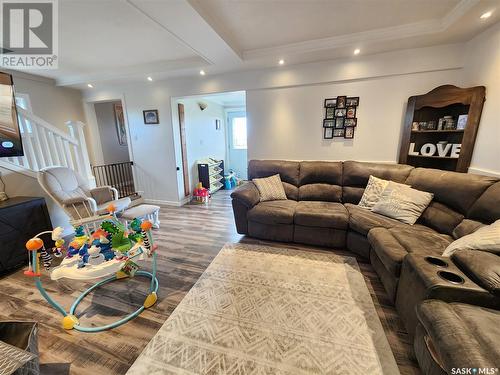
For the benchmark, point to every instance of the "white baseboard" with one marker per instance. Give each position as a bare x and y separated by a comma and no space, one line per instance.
168,203
485,172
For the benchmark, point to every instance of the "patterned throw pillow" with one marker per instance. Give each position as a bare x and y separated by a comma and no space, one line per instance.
373,192
485,238
270,188
403,204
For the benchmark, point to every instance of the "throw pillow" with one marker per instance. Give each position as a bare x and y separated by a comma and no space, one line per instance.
403,204
374,189
270,188
485,238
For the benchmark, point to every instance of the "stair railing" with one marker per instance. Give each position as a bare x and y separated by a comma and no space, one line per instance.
46,145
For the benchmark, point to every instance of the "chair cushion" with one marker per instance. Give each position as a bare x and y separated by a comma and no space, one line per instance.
481,266
321,214
273,212
464,336
441,218
120,204
487,207
140,211
362,220
392,244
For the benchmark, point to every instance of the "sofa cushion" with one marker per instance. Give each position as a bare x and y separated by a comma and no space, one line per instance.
362,220
392,244
320,181
464,336
270,188
356,174
487,208
288,170
481,266
466,227
373,192
403,204
485,238
273,212
456,190
441,218
321,214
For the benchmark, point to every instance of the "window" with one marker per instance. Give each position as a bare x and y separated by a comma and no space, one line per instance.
239,132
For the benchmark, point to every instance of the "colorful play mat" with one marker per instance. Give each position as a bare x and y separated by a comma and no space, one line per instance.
109,253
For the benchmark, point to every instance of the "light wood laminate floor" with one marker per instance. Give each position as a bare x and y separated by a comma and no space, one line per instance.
189,238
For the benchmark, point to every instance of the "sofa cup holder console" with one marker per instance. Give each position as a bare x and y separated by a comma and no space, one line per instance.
451,277
436,261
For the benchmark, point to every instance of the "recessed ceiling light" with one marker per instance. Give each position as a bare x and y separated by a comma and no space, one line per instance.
486,15
89,85
357,51
150,79
281,62
202,72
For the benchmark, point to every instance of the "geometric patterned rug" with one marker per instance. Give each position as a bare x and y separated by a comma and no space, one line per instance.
265,310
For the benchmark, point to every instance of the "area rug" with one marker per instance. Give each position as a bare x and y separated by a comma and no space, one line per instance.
266,310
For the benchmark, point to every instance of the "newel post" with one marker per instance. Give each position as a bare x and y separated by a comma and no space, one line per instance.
76,131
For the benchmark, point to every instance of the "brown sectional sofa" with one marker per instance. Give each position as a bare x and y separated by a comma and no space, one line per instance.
322,210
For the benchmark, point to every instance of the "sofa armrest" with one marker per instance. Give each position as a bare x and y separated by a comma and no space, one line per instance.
481,266
247,194
104,194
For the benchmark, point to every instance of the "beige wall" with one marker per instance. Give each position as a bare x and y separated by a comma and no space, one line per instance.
52,103
483,68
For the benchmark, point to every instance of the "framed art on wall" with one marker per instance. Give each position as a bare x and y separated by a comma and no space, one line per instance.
328,123
120,124
339,122
338,132
332,102
349,132
328,133
341,100
151,116
351,112
330,112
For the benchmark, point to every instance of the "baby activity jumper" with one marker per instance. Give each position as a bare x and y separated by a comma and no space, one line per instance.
111,252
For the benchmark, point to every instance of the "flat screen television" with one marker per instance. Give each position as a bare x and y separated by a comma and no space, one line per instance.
10,134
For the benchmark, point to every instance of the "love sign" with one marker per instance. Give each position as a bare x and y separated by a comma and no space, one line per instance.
442,149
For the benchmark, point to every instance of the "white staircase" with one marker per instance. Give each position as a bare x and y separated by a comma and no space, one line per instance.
46,145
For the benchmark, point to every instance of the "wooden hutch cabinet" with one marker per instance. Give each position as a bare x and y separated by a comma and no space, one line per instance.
431,137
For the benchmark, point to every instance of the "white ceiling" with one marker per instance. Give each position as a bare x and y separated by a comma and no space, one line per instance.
118,40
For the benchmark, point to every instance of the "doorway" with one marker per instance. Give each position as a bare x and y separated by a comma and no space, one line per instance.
116,168
212,129
237,143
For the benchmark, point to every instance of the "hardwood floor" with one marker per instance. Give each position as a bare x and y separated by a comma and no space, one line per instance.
189,238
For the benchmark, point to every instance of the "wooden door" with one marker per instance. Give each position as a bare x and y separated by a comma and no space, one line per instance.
185,170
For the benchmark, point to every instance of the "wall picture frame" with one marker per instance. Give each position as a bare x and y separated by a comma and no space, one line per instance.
340,112
462,122
349,132
328,123
351,112
121,132
341,101
330,102
351,122
338,133
352,101
329,112
151,117
328,133
339,122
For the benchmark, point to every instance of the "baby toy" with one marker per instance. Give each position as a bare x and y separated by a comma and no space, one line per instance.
111,252
201,194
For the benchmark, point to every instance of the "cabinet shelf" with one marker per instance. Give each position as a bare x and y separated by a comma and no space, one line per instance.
432,157
443,101
438,131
